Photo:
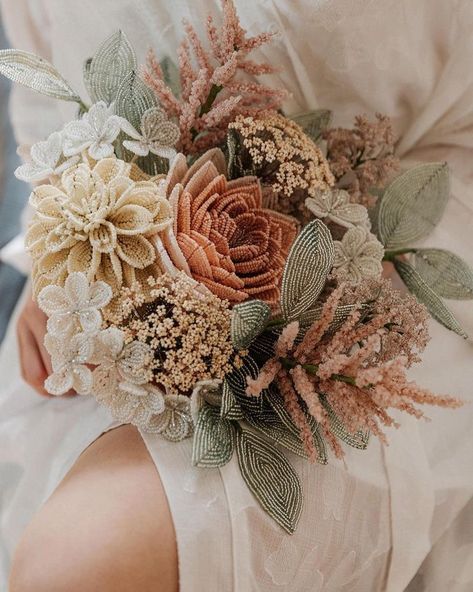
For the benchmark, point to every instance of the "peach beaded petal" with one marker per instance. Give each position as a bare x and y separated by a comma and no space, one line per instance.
221,234
97,221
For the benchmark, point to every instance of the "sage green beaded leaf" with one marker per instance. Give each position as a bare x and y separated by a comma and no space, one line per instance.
248,321
308,264
413,204
359,440
214,439
270,478
230,408
36,73
314,122
114,61
444,272
133,99
427,296
341,314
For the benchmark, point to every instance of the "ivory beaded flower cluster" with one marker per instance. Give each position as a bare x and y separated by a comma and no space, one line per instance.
212,268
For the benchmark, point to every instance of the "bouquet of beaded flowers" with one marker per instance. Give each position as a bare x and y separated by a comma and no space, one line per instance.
213,269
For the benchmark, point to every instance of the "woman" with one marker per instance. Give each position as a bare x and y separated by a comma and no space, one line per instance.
393,519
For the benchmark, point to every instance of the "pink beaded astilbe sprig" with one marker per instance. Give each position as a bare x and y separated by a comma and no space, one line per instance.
217,83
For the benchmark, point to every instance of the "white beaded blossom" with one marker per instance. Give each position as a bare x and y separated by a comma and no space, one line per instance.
358,255
95,132
158,135
76,306
175,423
46,160
68,358
334,204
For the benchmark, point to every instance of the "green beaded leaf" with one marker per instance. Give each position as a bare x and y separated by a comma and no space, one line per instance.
358,440
230,408
114,61
446,273
413,204
36,73
248,321
236,380
171,75
214,439
308,264
341,314
133,99
427,296
314,122
270,478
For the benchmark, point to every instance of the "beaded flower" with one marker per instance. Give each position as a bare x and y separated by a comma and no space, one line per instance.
221,234
97,221
95,132
68,359
175,422
74,307
358,255
334,205
158,135
46,160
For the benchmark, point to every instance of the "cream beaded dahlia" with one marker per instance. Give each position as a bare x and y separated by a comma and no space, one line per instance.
97,221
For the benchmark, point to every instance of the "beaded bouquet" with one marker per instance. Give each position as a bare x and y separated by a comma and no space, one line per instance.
212,268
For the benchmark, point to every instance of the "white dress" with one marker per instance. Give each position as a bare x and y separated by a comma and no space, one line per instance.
387,520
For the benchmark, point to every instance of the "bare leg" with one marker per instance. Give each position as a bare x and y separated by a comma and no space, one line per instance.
106,527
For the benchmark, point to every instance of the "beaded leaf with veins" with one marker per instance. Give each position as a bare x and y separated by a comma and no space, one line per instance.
334,204
68,358
158,135
358,255
95,132
76,306
46,160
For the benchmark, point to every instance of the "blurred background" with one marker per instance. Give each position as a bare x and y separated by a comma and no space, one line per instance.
13,196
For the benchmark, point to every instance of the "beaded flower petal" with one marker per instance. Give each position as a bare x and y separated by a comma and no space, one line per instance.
175,422
334,205
97,221
95,132
46,160
158,135
74,307
221,235
68,358
358,255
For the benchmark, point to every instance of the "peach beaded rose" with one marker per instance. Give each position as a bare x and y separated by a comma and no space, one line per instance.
221,234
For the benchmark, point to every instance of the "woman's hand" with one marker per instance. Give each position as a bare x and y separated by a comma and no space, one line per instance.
35,361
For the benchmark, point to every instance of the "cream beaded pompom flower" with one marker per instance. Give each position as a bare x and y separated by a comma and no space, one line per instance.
97,221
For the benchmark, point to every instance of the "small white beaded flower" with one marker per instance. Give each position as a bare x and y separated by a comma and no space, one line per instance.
46,160
76,306
158,135
135,404
118,363
95,132
68,359
358,255
335,205
175,422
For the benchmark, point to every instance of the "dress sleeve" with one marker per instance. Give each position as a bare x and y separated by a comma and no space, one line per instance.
33,116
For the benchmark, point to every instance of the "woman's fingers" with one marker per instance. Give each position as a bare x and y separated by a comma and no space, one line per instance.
33,369
38,322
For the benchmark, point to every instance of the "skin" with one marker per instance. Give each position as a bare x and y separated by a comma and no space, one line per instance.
107,526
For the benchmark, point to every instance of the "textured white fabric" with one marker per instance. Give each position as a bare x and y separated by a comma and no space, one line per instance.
394,519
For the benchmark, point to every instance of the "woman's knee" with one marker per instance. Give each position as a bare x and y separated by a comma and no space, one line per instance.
106,527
